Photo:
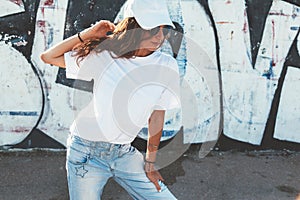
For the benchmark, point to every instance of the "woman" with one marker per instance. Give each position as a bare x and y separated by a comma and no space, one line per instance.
134,83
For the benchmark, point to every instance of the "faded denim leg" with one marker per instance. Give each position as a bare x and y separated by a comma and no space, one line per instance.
86,176
129,172
90,164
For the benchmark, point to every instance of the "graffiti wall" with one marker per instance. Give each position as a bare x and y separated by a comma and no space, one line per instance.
239,60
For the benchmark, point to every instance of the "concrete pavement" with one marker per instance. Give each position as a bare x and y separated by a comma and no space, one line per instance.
230,175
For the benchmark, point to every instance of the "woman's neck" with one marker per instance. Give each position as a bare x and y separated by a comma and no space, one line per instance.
143,52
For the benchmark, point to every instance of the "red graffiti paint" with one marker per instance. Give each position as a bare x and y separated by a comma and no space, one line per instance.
224,22
18,2
42,27
19,129
48,3
245,27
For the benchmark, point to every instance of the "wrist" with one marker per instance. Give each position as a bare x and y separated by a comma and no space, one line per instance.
149,161
152,148
84,35
149,166
150,156
79,37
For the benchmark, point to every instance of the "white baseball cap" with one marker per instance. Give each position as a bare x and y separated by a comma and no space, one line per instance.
148,13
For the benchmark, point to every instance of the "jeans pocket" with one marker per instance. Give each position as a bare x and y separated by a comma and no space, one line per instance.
76,157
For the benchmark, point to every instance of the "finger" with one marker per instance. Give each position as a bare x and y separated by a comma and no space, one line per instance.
157,186
154,179
111,26
160,177
108,27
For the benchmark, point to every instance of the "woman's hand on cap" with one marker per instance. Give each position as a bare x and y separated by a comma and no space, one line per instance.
98,30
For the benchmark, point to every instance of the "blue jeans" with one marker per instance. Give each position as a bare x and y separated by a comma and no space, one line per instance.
90,164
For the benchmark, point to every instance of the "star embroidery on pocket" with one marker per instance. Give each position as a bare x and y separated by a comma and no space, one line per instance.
80,171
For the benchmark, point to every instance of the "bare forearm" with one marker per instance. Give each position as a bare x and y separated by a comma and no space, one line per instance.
152,147
54,55
156,123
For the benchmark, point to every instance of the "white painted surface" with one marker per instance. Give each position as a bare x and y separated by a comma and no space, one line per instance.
8,7
201,75
21,96
280,30
58,113
245,111
288,116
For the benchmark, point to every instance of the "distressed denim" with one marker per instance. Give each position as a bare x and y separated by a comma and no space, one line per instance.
90,164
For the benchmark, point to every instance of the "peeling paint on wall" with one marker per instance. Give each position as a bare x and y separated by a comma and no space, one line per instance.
288,118
201,73
9,7
21,103
49,30
40,96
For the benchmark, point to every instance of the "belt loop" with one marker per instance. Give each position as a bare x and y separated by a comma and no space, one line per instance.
111,147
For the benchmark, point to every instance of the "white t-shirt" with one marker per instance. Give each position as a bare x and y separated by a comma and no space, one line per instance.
125,93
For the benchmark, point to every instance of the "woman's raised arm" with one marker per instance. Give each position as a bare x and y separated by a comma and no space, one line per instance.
55,54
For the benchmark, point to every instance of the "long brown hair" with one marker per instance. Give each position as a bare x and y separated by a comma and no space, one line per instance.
124,41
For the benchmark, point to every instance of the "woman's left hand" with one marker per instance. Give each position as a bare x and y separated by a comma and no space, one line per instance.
98,30
153,175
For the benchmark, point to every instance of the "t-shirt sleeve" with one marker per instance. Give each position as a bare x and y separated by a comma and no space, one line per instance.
78,70
170,96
